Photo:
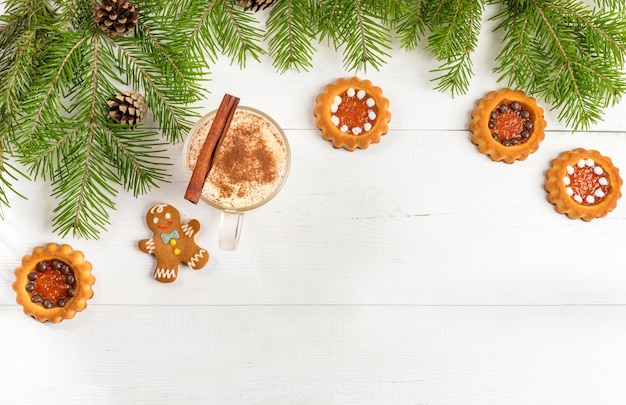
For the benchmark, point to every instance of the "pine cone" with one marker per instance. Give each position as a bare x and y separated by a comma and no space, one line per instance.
255,5
116,17
128,107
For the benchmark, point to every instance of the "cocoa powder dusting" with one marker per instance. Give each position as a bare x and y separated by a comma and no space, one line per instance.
249,164
244,161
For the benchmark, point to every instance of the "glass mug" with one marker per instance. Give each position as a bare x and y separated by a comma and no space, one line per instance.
250,167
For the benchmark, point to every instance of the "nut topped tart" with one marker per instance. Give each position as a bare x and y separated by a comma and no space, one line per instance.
352,113
53,283
583,184
507,125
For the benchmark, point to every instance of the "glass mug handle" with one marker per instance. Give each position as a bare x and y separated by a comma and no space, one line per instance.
230,230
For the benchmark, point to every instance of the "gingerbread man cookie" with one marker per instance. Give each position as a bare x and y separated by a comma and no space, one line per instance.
172,243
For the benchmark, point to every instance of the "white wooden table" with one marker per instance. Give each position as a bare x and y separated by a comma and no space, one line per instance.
415,272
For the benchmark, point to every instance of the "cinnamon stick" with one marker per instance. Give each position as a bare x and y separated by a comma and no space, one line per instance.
219,127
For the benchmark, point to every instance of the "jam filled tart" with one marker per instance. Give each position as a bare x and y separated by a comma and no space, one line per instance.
507,125
352,113
583,184
53,283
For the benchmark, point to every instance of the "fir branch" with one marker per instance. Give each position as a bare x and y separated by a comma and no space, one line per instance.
289,30
84,192
521,61
411,24
616,6
46,155
9,174
327,26
576,56
66,13
595,32
215,27
63,124
388,12
455,26
21,41
92,156
195,21
86,155
138,156
17,73
183,74
45,105
171,80
83,181
353,26
167,106
237,33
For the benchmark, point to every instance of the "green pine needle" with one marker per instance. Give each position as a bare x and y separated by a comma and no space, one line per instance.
290,29
9,174
411,24
215,27
455,26
354,27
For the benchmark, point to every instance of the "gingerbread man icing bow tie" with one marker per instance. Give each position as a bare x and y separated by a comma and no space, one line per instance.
166,237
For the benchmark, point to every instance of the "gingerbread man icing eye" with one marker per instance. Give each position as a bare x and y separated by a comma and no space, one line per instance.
155,220
168,215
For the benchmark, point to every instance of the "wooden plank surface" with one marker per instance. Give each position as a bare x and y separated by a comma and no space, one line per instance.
415,272
318,354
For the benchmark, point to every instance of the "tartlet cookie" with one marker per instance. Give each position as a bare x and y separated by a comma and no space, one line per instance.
352,113
507,125
53,283
583,184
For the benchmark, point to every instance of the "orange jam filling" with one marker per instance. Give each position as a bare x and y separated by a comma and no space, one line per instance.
587,186
51,283
510,123
352,111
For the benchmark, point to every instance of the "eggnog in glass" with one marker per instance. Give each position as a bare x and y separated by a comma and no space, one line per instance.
250,166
